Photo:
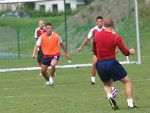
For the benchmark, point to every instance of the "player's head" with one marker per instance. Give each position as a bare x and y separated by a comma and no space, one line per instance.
99,21
41,24
48,28
108,22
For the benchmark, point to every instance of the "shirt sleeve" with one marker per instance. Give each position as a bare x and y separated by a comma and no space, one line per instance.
59,39
35,34
38,43
121,46
90,34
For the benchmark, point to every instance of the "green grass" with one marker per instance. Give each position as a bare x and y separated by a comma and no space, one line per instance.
24,92
30,22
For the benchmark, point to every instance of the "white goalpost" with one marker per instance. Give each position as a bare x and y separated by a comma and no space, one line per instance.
125,60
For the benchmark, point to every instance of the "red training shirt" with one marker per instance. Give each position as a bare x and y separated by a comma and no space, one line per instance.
104,45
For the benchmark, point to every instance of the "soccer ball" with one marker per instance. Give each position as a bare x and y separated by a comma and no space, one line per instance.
69,61
114,92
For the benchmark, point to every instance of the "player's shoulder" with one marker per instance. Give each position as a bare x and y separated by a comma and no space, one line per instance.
94,28
117,37
55,33
43,35
37,29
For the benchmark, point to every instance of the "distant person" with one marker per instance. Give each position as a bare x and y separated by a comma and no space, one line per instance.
49,43
98,27
108,68
38,32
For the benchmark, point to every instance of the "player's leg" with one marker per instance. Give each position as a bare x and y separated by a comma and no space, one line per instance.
39,58
53,63
101,68
119,73
128,91
44,71
108,91
93,72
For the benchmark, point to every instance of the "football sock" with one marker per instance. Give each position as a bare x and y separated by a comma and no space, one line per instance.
130,102
93,79
51,79
109,95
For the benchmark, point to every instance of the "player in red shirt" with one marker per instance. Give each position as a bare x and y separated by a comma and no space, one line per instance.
98,27
108,68
38,32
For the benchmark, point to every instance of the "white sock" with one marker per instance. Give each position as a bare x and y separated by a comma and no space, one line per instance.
109,95
51,80
93,79
130,102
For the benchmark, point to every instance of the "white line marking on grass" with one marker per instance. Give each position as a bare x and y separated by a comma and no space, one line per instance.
140,80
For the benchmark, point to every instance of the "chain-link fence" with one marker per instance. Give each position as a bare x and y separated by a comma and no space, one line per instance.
17,44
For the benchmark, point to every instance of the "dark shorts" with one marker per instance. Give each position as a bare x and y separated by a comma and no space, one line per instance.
39,55
110,70
47,61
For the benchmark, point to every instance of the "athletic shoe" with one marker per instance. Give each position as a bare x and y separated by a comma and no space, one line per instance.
134,107
113,104
92,83
51,84
47,83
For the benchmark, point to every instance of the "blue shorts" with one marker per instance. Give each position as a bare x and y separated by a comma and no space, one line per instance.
110,69
47,61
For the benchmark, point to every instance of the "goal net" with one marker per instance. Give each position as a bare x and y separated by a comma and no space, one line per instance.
17,41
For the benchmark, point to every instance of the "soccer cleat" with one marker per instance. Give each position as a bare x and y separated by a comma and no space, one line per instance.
92,83
113,104
134,107
48,84
51,84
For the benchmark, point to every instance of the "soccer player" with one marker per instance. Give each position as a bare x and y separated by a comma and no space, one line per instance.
107,66
38,32
98,27
49,43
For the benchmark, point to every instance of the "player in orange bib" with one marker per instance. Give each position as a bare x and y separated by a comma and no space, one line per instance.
49,43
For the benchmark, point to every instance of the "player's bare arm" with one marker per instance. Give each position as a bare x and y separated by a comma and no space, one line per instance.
35,51
65,51
83,44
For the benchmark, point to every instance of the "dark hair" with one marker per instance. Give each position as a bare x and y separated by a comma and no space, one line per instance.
48,24
99,17
108,22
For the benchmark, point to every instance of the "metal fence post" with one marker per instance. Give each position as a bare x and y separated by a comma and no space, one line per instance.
65,15
18,42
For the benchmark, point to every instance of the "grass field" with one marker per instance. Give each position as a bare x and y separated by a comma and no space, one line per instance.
24,92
